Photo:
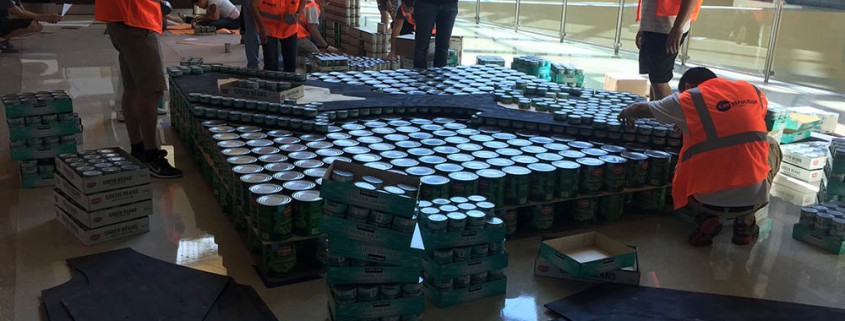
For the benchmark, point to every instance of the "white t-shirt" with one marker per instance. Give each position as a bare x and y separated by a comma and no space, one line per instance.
649,21
668,110
312,15
227,9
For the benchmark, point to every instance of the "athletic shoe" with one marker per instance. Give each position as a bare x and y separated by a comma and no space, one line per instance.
744,234
708,227
160,167
139,154
161,111
7,47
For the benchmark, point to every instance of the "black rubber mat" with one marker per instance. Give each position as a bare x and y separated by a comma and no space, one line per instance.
127,285
610,302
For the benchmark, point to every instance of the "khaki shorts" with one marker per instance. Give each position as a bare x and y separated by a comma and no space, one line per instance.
141,68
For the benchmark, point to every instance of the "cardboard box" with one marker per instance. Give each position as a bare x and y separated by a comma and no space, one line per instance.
106,199
587,254
629,275
797,184
375,309
792,196
35,181
39,108
800,173
103,217
45,130
443,299
827,120
89,185
435,241
351,230
227,88
626,82
90,236
372,274
471,266
25,153
790,136
812,155
818,239
348,193
410,257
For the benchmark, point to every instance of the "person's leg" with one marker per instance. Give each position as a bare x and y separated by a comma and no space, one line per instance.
745,226
271,54
660,64
16,28
249,33
708,224
445,21
289,49
425,14
224,23
305,49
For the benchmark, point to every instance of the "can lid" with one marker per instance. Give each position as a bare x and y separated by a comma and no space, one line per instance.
315,172
495,145
346,143
265,189
541,140
420,171
407,129
383,130
274,200
394,190
448,167
396,137
612,159
572,154
302,155
432,160
366,158
308,163
393,154
500,162
613,149
456,216
434,180
225,136
470,147
565,164
265,150
541,167
658,154
404,162
490,173
420,151
534,149
272,158
329,152
556,146
369,140
260,143
408,144
379,165
446,150
524,159
516,170
580,145
438,218
634,156
460,157
247,169
241,160
319,145
809,210
476,214
594,152
299,185
475,165
590,162
279,133
288,176
353,126
253,136
235,151
307,196
485,154
504,136
519,142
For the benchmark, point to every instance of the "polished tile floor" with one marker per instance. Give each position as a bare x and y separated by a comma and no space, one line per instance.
188,229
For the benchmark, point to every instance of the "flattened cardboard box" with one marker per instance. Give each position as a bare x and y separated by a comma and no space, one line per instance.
103,200
90,185
105,233
104,217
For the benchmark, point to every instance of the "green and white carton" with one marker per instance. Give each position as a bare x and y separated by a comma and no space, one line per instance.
586,254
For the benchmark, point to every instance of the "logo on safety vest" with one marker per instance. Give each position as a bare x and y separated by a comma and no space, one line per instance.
723,105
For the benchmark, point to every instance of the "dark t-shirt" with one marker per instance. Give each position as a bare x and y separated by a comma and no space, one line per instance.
5,5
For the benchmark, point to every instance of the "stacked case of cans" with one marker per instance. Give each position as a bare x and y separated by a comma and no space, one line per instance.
534,66
823,226
102,195
41,125
835,171
490,60
804,176
465,253
567,74
375,251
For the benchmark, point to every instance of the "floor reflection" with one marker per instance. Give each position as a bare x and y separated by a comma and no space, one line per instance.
521,308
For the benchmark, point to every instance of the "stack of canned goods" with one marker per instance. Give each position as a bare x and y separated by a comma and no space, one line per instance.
827,219
235,70
259,113
357,293
99,162
256,83
490,60
34,98
531,65
458,214
204,30
567,74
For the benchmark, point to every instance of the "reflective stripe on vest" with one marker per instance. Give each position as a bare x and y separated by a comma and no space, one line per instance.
670,8
714,142
272,13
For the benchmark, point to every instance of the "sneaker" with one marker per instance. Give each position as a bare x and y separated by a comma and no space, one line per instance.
160,167
708,227
161,111
7,47
139,154
744,234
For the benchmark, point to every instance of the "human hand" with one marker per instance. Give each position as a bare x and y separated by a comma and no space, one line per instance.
52,18
673,40
391,55
262,36
639,39
626,117
331,49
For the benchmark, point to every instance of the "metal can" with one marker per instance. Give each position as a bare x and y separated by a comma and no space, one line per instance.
380,219
461,281
342,176
255,192
274,217
658,167
412,289
636,169
345,293
651,200
517,184
444,284
479,250
808,217
610,207
443,256
280,259
437,223
308,209
403,224
592,175
433,187
333,208
584,210
494,275
823,221
479,278
390,291
837,228
566,178
510,218
542,217
457,222
461,253
463,184
614,173
368,293
491,184
475,220
542,188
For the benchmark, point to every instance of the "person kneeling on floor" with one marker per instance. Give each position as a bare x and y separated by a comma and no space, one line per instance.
25,22
727,162
221,14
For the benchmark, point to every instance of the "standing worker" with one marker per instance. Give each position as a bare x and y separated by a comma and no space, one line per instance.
277,25
429,13
310,40
249,34
664,25
133,26
403,24
727,162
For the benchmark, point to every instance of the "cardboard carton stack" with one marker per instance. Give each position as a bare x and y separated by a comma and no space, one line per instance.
801,176
465,251
341,17
588,256
375,252
102,195
41,126
835,172
789,125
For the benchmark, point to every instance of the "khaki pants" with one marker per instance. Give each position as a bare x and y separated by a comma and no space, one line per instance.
746,217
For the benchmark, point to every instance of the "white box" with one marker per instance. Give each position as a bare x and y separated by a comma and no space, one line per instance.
103,200
792,196
797,185
800,173
811,155
629,275
104,217
828,119
626,82
89,185
105,233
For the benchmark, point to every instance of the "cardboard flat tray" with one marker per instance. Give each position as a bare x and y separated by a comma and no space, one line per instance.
587,254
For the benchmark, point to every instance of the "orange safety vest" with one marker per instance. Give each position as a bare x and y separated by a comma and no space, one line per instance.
670,8
409,18
725,144
302,27
272,13
144,14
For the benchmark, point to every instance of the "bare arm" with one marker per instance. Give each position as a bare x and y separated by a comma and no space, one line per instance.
629,116
315,34
19,11
398,23
673,41
213,13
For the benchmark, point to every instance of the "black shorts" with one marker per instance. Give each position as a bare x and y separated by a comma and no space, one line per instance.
7,26
654,60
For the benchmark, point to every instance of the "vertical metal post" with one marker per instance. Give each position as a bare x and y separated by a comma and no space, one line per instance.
685,48
516,17
477,11
563,20
617,40
773,42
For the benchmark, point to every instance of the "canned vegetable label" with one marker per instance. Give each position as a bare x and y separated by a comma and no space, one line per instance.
274,217
542,182
584,210
614,173
517,184
592,175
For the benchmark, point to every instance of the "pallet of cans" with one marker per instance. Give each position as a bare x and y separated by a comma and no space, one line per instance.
375,253
531,65
102,195
263,90
41,125
567,74
822,226
465,254
490,60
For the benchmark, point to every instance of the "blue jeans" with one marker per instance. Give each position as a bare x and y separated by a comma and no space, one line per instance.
250,34
223,23
427,15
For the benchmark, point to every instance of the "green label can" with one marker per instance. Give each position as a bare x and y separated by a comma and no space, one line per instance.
517,184
307,212
592,175
542,182
434,187
491,185
542,217
510,218
255,192
584,210
567,178
636,169
280,259
463,184
274,217
614,173
652,200
658,167
610,207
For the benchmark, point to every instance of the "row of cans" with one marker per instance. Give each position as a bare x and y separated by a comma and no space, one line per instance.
367,216
347,294
256,83
99,162
39,120
35,97
281,259
464,253
828,218
465,281
37,142
243,71
44,167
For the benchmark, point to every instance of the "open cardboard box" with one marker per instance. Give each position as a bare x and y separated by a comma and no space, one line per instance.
587,254
628,275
